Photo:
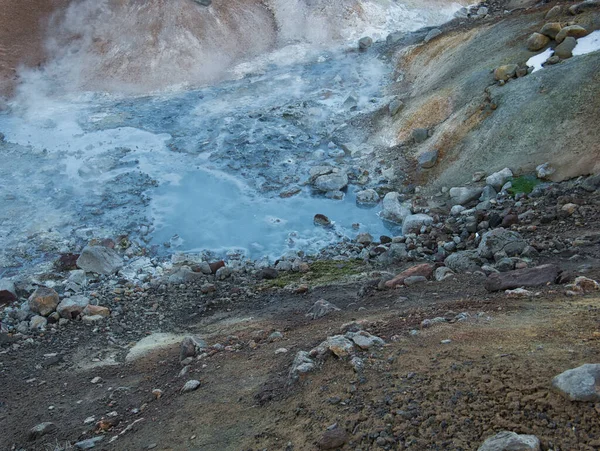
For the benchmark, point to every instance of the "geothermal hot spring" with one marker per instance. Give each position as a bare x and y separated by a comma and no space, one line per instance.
193,151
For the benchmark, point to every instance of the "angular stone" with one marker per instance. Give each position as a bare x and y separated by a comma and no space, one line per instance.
498,179
592,183
335,181
302,365
322,220
537,41
580,384
413,223
551,29
564,50
425,270
420,134
37,322
464,261
528,277
465,194
90,443
575,31
393,209
339,345
510,441
43,301
190,385
428,159
365,340
191,346
72,307
364,238
321,308
100,260
442,273
501,240
395,106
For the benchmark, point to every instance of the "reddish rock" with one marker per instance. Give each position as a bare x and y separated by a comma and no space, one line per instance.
425,270
529,277
92,310
66,262
214,267
43,301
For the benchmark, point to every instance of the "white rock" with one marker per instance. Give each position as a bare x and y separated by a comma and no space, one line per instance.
498,179
393,209
190,385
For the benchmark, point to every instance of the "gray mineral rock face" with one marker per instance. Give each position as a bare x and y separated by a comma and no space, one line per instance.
580,384
510,441
99,259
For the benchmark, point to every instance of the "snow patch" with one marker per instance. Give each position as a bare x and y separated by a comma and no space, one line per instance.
587,44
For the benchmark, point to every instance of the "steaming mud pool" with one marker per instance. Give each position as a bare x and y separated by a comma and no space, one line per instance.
219,169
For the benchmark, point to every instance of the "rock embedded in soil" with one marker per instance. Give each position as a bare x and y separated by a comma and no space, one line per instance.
335,181
432,35
395,106
580,384
43,301
41,429
71,308
365,42
268,274
537,41
190,386
498,179
302,365
528,277
89,443
333,439
554,12
510,441
464,194
420,134
424,270
322,308
99,260
428,159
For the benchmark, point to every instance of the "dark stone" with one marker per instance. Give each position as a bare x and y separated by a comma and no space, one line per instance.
383,239
494,220
268,274
214,267
528,277
509,220
333,439
321,220
66,262
592,183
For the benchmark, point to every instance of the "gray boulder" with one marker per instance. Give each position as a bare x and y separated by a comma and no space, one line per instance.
302,365
510,441
592,183
72,307
464,194
367,197
393,209
428,159
580,384
488,193
527,277
204,2
322,308
464,261
442,273
395,106
498,179
335,181
564,50
100,260
420,134
501,240
365,43
413,223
